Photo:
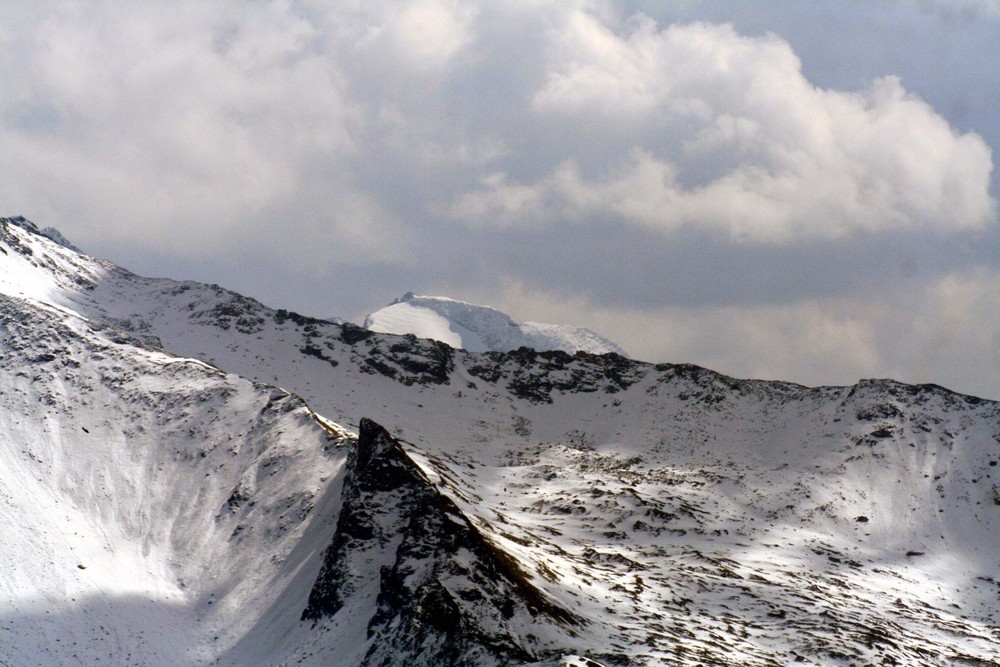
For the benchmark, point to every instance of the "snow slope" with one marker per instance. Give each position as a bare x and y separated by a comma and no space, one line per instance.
681,517
154,507
480,328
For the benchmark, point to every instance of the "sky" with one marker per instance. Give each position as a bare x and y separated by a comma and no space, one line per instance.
778,190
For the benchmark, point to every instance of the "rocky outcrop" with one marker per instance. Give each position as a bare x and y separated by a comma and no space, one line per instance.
434,589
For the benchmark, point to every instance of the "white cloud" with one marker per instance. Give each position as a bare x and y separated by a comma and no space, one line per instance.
169,127
430,32
236,111
415,37
728,135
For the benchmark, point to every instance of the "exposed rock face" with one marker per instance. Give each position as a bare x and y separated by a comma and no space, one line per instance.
536,376
438,592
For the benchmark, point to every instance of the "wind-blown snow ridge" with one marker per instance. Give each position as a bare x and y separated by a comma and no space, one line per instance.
165,503
480,328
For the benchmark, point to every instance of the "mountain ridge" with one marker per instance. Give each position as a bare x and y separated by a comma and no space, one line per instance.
687,517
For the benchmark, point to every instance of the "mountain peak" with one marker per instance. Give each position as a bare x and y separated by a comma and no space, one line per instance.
54,234
50,233
21,222
479,328
403,299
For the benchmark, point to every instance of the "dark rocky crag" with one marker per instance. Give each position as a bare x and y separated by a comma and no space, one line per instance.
438,591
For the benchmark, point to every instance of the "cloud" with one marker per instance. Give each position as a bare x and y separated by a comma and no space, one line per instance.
728,135
682,184
414,114
430,32
159,121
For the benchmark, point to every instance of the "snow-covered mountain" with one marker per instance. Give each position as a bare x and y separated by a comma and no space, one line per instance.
475,328
165,503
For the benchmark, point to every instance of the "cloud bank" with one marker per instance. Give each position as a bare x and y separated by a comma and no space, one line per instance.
687,180
725,133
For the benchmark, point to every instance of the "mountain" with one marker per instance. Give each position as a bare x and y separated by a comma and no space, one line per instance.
166,503
480,328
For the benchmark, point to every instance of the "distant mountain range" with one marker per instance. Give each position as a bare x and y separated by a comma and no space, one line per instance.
189,477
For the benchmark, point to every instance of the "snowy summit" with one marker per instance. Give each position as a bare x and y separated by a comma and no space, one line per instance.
477,328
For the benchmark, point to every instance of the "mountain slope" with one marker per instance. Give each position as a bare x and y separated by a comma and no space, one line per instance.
682,516
161,511
153,505
480,328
